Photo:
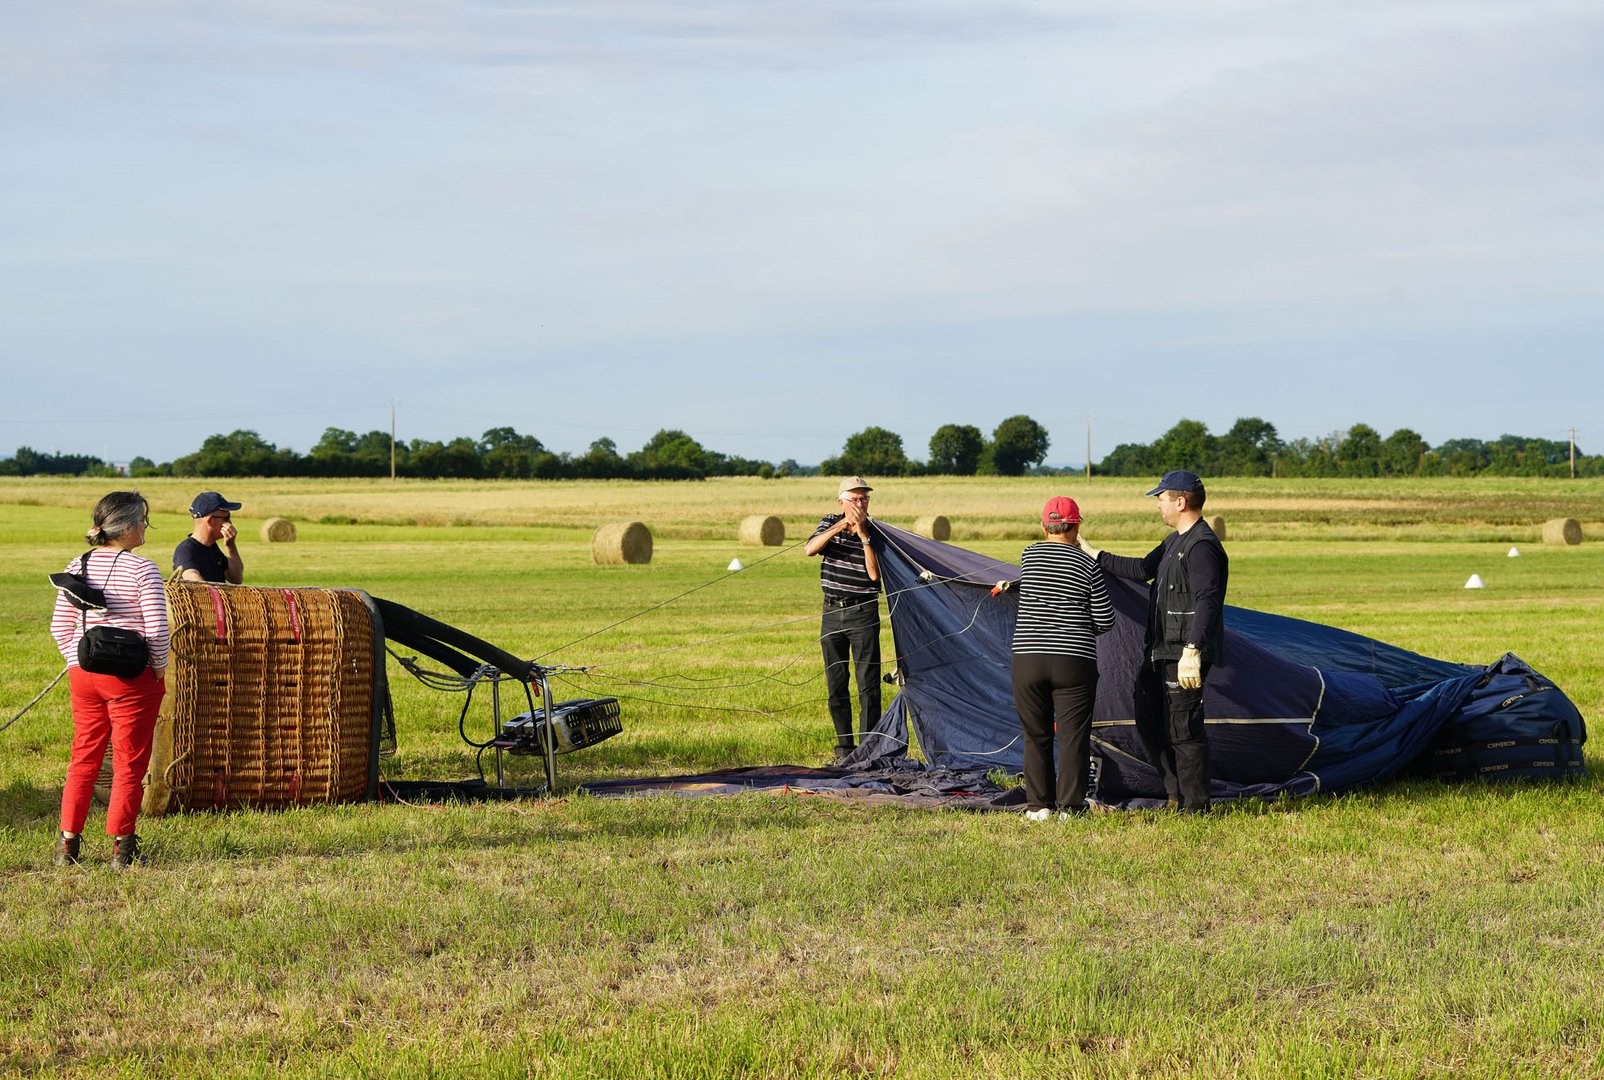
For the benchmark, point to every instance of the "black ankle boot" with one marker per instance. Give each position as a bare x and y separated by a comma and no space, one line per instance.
125,852
67,849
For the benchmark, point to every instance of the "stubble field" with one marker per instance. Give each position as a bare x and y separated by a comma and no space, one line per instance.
1412,930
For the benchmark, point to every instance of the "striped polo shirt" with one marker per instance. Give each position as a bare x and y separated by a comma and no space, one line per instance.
1063,603
843,575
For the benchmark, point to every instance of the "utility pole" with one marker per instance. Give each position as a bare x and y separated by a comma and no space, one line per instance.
1088,446
392,438
1573,453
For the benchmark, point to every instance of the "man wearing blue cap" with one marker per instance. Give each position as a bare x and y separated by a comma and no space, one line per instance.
209,552
1185,636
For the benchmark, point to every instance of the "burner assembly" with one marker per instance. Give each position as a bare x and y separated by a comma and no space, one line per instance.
574,725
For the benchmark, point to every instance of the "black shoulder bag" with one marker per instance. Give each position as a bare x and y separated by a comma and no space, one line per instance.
103,649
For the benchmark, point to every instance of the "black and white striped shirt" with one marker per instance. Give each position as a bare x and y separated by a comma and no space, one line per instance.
843,574
1063,603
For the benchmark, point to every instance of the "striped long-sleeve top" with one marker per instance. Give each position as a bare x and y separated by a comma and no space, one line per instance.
134,601
1063,603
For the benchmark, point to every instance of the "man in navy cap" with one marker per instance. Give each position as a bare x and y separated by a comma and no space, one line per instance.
209,552
1185,636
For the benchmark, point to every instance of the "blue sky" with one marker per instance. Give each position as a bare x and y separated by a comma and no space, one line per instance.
774,225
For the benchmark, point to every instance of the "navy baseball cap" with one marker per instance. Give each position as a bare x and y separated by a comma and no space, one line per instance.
209,502
1178,480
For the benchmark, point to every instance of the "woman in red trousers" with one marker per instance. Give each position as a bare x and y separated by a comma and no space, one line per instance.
109,707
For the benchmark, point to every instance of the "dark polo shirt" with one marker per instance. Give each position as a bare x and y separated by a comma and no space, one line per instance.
206,559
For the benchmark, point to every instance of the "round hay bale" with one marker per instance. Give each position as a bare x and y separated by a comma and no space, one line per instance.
622,542
278,531
1218,525
760,531
1562,531
935,526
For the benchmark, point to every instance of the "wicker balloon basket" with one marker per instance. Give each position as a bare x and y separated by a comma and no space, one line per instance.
273,699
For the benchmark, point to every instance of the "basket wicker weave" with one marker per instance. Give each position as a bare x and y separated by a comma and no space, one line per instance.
270,699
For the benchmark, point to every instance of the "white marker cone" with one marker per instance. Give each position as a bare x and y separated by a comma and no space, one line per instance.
736,564
1475,582
1514,553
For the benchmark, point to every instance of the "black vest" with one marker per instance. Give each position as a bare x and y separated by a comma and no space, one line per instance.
1173,596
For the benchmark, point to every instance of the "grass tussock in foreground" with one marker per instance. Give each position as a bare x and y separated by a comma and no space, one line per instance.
1415,930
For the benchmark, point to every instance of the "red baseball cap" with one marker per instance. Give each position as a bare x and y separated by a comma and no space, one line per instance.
1060,509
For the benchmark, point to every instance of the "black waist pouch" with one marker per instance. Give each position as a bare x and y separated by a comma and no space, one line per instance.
112,650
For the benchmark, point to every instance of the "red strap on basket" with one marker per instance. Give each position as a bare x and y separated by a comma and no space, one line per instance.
221,613
295,613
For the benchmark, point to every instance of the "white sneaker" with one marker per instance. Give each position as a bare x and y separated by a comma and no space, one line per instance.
1039,815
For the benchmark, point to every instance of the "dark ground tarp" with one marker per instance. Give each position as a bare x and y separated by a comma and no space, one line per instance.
899,783
1296,707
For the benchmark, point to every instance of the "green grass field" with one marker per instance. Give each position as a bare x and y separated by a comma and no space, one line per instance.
1413,930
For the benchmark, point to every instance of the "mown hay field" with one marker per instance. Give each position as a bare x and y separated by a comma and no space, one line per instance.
979,508
1413,930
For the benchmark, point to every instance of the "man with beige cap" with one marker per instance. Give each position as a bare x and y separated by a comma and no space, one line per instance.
850,631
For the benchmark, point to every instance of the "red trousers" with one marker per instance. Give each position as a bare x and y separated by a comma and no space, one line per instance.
122,711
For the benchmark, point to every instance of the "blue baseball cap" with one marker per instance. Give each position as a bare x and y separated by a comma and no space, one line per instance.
209,502
1178,480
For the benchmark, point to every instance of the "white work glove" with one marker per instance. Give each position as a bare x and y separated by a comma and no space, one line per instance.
1081,542
1189,670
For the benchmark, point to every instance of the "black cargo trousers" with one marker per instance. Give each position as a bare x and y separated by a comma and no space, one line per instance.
1169,720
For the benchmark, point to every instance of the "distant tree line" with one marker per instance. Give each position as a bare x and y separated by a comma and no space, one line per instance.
500,453
1253,448
504,453
1016,446
30,462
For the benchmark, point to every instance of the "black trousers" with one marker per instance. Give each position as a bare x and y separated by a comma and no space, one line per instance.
1170,723
849,637
1055,693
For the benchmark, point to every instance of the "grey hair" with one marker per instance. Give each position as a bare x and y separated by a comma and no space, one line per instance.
1059,528
116,514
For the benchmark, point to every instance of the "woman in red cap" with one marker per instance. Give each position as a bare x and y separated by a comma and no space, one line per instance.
1063,607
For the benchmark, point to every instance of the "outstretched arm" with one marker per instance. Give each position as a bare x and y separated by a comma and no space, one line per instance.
1129,566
